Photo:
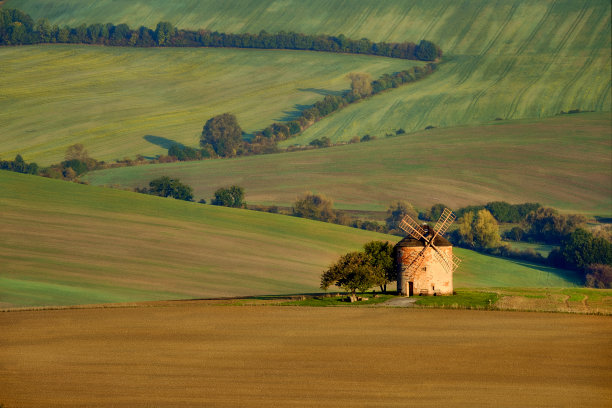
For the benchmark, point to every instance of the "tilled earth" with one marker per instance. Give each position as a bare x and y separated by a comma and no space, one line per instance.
204,354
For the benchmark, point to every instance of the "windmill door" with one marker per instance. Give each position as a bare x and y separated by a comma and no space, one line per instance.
410,288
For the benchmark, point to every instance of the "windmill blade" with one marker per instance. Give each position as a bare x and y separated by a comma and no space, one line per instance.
412,228
443,260
456,261
446,219
415,260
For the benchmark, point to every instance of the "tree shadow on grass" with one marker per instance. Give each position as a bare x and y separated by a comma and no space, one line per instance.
570,276
293,114
162,141
324,92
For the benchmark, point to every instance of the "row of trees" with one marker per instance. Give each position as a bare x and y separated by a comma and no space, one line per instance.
19,166
17,27
165,186
222,135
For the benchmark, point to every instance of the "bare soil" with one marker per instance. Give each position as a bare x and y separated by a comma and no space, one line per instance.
203,354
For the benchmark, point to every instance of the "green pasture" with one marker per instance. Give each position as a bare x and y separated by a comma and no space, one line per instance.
562,162
122,102
542,249
64,243
503,59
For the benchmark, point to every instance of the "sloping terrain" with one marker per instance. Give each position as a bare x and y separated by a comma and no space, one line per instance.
563,162
122,102
506,59
64,243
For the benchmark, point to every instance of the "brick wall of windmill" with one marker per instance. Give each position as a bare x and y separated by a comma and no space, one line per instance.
431,277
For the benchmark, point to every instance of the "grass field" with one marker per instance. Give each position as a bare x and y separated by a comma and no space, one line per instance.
122,102
64,243
506,59
563,162
193,354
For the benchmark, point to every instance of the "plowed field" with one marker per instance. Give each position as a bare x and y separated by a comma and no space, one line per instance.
199,354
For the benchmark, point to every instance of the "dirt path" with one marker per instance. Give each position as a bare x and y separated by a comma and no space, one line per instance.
565,301
400,302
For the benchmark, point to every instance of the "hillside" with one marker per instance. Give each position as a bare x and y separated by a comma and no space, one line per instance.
510,59
126,101
64,243
563,162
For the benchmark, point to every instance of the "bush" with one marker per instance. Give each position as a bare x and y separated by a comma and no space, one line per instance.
314,207
184,153
167,187
229,197
599,276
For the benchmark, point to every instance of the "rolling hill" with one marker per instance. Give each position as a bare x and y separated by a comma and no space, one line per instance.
126,101
563,162
64,243
506,59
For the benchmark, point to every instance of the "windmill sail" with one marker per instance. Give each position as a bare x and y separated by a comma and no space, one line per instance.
413,228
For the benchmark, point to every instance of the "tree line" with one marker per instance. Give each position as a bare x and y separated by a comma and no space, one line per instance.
222,135
17,27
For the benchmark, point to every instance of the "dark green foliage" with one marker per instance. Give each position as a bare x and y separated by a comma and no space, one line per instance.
381,260
19,166
547,225
352,272
427,51
223,134
581,249
323,142
505,212
184,153
314,207
167,187
78,166
515,234
164,32
17,27
229,197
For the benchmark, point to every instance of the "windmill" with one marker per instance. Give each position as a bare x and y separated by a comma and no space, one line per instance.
425,258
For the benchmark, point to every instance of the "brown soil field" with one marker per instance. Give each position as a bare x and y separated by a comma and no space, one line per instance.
204,354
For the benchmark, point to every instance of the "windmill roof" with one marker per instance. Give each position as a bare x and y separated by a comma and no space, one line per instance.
439,241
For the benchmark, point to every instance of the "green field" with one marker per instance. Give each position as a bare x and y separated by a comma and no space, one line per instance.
563,162
64,243
122,102
506,59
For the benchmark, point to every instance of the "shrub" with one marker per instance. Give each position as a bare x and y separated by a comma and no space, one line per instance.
599,276
229,197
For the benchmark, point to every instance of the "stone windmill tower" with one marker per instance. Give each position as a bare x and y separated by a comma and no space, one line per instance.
424,259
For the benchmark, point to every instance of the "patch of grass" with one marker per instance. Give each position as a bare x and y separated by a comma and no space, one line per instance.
462,299
562,162
519,59
122,102
572,300
331,300
65,243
